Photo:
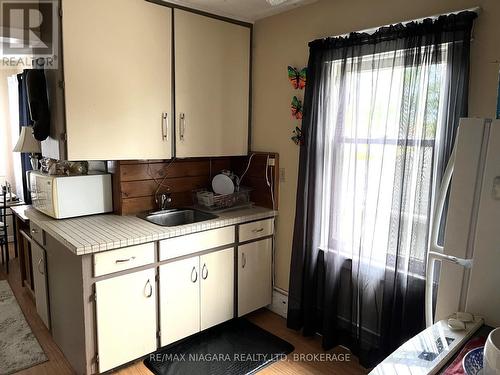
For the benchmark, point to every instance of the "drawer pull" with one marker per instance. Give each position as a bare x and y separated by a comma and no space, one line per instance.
243,260
194,275
150,292
204,272
124,260
34,231
258,230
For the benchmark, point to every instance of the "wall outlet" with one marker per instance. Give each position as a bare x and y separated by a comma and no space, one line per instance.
279,305
282,174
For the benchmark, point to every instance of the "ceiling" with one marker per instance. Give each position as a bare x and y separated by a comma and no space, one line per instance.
243,10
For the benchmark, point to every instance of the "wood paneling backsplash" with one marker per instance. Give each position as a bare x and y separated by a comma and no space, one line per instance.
256,177
136,181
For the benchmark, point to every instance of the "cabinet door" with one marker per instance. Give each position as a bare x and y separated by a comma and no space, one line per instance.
126,318
217,287
212,64
179,299
117,74
254,276
38,260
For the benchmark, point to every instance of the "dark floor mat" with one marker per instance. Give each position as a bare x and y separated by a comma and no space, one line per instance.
237,347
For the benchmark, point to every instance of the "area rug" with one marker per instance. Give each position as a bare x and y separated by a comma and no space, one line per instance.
19,348
237,347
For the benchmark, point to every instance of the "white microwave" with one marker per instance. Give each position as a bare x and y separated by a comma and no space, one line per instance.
71,196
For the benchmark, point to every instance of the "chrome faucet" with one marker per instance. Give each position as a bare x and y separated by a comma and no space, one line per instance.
164,201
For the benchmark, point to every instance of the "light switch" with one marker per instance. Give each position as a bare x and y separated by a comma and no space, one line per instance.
496,188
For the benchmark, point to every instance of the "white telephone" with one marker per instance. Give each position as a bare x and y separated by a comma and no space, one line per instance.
457,321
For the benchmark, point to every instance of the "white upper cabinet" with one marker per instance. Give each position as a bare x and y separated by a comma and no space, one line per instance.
212,67
118,91
117,76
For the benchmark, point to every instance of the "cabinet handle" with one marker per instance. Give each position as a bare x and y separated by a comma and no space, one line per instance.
243,260
258,230
150,293
204,272
38,266
164,126
195,275
34,231
124,260
182,126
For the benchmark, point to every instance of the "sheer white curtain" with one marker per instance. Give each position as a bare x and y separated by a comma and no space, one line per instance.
6,157
385,119
13,88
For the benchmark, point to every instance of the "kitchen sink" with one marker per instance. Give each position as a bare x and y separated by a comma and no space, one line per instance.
176,216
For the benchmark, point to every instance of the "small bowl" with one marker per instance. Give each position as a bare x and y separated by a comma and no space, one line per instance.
473,361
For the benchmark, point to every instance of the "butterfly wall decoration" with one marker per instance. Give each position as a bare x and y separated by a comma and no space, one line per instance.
297,78
297,109
298,136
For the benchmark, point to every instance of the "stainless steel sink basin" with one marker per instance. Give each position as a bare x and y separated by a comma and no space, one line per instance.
177,216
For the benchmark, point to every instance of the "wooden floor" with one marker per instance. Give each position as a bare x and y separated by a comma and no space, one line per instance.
57,364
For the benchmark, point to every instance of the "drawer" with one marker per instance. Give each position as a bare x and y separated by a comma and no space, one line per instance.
123,259
37,233
256,229
193,243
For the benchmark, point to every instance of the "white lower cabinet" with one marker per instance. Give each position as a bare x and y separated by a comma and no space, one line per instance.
126,318
196,293
254,275
38,260
179,299
217,287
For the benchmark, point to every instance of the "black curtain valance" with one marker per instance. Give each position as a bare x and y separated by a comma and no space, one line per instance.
444,29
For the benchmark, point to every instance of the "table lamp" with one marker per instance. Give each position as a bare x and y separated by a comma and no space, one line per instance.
28,144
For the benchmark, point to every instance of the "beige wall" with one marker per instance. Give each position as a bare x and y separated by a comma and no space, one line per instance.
282,40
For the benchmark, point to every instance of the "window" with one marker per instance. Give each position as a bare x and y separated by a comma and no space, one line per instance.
384,120
10,162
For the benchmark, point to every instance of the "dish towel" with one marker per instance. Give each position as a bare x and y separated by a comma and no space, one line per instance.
456,368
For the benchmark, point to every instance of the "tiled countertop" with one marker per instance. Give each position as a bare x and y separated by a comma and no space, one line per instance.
92,234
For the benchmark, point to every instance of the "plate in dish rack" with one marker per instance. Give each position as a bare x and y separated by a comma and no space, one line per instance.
473,361
222,184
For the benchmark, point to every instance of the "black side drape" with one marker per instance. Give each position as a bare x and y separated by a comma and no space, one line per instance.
24,120
316,290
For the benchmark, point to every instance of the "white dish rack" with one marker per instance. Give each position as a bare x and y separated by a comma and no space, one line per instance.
215,202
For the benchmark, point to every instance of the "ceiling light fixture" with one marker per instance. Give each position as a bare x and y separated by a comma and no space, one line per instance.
276,2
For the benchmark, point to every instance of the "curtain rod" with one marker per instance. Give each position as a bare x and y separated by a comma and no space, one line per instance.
371,30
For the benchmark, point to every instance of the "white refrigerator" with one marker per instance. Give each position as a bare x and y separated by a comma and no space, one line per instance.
469,278
472,225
